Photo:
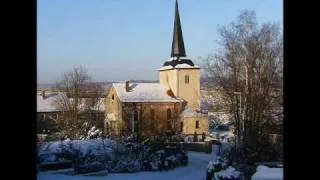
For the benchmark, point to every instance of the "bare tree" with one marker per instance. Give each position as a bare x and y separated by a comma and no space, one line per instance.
249,65
79,101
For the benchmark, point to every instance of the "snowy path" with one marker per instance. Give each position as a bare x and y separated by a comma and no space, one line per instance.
196,170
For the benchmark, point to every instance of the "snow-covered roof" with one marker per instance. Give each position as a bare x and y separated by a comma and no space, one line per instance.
179,66
144,92
178,63
166,67
46,104
185,66
187,112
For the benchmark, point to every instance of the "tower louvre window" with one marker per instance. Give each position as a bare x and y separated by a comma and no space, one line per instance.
186,79
197,124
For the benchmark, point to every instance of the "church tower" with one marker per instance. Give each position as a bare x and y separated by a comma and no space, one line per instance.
179,72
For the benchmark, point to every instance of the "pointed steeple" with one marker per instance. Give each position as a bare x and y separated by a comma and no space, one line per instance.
177,49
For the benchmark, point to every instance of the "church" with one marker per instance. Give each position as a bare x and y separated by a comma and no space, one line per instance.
170,106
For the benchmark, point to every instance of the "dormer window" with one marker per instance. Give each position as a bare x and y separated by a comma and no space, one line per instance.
186,79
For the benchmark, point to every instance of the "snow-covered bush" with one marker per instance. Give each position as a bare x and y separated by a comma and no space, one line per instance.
147,155
227,174
127,155
81,153
220,169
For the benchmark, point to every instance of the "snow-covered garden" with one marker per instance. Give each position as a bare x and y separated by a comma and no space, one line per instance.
105,158
110,156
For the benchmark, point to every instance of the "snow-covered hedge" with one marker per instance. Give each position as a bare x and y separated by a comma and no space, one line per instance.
126,155
79,152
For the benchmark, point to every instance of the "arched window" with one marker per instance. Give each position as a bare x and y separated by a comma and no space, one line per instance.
169,119
112,97
135,121
168,114
197,124
186,79
135,115
152,114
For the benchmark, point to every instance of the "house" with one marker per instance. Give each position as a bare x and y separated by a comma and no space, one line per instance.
49,115
172,105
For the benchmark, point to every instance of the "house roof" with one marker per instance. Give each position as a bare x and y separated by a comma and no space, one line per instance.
47,104
144,92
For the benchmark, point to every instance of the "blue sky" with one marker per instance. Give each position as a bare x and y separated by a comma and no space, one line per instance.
130,39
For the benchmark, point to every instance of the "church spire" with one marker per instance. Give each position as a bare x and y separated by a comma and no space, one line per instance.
177,48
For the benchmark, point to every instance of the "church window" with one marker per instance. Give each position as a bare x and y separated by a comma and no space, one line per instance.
152,114
168,114
169,119
197,124
186,79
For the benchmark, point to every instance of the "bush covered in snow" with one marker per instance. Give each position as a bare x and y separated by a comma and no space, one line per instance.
129,154
148,155
220,169
79,152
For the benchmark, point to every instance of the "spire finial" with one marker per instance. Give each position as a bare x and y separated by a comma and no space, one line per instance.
177,49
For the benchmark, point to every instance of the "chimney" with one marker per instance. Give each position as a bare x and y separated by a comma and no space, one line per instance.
43,94
127,86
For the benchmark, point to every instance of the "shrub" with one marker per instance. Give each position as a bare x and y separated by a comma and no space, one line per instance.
221,169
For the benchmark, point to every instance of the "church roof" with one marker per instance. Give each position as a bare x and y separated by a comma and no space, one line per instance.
178,52
175,63
177,48
144,92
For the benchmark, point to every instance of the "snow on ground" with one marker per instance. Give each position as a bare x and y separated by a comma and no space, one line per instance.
266,173
195,170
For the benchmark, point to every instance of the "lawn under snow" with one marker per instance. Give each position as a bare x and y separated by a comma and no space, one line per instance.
195,170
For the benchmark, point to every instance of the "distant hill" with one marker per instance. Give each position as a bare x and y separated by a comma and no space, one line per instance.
106,85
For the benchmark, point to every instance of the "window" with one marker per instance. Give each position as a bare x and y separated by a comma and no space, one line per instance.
168,114
135,115
112,97
186,79
169,119
152,114
197,124
134,124
181,126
